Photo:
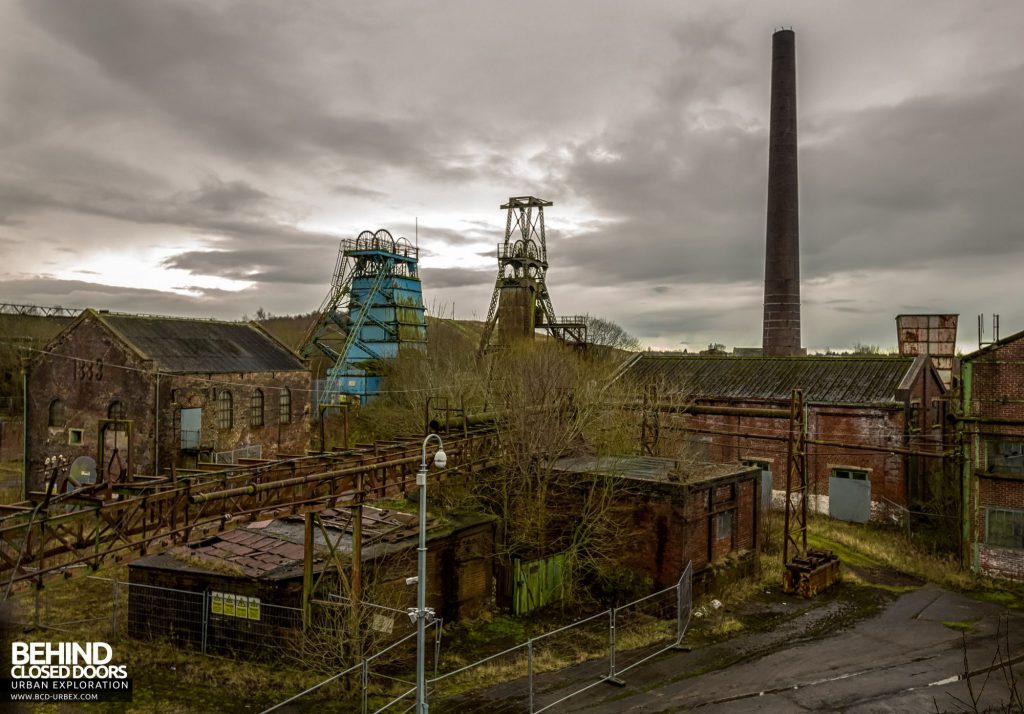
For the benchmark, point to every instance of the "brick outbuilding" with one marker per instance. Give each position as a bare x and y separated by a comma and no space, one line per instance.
138,394
671,513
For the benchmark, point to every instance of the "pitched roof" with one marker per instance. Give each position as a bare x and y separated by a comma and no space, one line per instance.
187,346
992,346
828,380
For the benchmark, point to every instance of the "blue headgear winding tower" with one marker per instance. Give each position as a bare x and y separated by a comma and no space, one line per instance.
375,305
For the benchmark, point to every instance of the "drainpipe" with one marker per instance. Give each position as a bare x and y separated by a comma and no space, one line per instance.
968,448
24,433
156,428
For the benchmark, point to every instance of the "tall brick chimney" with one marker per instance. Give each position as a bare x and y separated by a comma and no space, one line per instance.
782,253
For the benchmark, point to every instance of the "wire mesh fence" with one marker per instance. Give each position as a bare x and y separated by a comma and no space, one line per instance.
602,647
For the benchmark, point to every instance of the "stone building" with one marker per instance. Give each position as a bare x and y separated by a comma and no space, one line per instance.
140,394
991,421
870,410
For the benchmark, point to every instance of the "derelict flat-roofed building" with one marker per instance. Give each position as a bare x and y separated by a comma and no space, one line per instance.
674,513
138,393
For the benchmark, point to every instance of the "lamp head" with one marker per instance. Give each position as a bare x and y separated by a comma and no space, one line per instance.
440,459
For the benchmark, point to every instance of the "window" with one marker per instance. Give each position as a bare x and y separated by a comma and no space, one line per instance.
225,418
1004,528
1005,455
56,413
256,408
852,474
723,525
116,410
75,437
937,412
285,417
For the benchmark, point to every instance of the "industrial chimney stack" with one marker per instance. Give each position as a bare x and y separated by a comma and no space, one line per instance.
782,254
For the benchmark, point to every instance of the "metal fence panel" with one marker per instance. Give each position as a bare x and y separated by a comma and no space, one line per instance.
587,641
645,628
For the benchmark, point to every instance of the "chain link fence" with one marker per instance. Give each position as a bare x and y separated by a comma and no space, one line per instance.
606,645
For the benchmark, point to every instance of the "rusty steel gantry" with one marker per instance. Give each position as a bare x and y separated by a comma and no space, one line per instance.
521,301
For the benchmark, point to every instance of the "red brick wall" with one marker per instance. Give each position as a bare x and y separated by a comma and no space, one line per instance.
857,425
666,526
997,392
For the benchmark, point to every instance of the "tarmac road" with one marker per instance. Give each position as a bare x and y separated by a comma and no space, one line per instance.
903,659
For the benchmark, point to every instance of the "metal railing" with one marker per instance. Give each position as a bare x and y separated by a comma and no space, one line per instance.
632,634
612,642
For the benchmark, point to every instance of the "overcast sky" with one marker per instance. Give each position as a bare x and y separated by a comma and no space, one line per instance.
205,158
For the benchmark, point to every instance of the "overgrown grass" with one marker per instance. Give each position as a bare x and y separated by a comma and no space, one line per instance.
871,545
960,625
166,677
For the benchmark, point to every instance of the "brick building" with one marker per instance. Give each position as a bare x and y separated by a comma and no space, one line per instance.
672,514
991,421
869,409
140,393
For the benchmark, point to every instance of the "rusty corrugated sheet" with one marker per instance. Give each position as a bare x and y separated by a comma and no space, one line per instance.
827,380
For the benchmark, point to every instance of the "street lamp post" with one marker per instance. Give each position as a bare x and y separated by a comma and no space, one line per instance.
440,459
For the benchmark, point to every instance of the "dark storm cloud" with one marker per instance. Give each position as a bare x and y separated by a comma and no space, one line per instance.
439,278
221,72
256,134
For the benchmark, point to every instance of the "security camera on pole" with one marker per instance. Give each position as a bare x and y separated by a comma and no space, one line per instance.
422,613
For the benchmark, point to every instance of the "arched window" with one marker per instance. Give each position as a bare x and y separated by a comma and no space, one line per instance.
225,418
285,417
56,414
117,411
256,408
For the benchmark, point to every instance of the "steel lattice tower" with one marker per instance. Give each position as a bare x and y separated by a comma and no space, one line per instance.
374,306
521,301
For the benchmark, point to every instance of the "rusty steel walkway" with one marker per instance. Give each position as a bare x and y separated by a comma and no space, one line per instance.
60,534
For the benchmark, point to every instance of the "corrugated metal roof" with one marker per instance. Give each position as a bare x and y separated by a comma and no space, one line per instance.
184,346
828,380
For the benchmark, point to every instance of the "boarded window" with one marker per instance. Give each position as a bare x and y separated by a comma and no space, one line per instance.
723,525
1004,528
225,417
285,417
256,408
852,474
56,413
1006,455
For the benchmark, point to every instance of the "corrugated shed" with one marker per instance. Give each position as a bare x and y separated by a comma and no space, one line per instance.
827,380
183,346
